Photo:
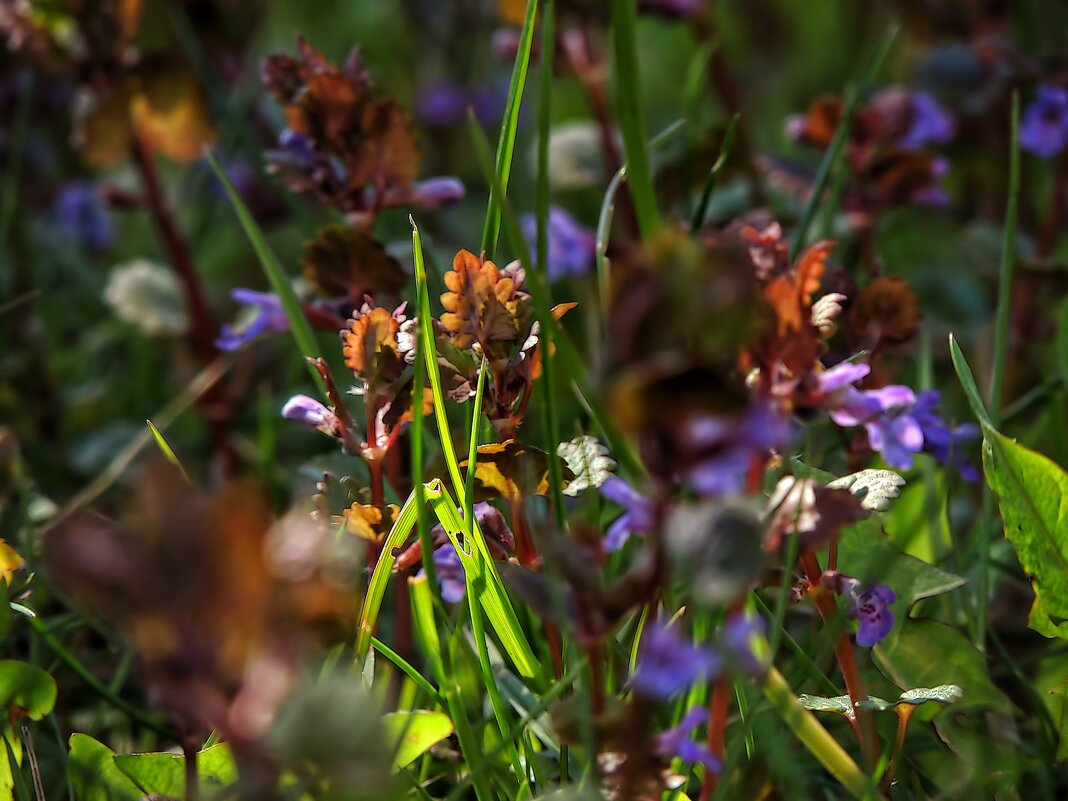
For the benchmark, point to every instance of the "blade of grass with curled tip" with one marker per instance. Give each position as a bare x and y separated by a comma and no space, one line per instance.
509,126
631,114
480,570
272,268
409,671
428,349
376,588
166,449
834,152
713,176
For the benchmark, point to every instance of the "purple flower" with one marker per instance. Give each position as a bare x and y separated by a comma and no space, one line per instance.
676,742
944,443
450,573
1044,128
841,375
639,513
885,414
80,213
443,104
929,124
725,447
311,413
269,319
667,663
739,634
871,608
433,193
571,246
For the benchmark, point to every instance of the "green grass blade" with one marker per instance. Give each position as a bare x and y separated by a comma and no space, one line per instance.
713,176
428,349
631,115
417,432
276,275
426,630
1008,261
967,381
409,671
509,125
166,449
376,588
604,233
837,146
480,570
472,448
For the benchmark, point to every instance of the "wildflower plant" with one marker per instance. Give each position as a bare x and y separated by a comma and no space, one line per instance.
635,496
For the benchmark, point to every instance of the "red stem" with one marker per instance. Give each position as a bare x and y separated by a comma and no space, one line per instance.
717,730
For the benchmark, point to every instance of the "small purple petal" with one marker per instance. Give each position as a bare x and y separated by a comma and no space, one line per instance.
1044,127
871,609
841,375
930,124
309,412
571,246
676,742
668,664
269,319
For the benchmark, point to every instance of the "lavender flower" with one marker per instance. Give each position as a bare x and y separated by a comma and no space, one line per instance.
676,742
667,663
725,447
442,104
944,443
450,573
1044,128
433,193
269,319
639,513
311,413
571,246
80,213
742,635
929,124
871,608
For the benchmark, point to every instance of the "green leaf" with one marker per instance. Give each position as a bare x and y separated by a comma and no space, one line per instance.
94,774
27,688
166,449
864,553
1033,494
942,694
413,733
967,381
926,653
276,275
164,774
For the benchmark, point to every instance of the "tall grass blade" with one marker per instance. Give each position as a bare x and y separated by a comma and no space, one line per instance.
701,211
276,275
509,126
166,449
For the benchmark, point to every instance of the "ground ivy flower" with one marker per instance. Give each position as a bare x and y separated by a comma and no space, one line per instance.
1044,127
268,318
944,443
668,663
571,246
725,447
742,638
871,608
311,413
885,415
80,213
639,513
676,742
929,123
450,573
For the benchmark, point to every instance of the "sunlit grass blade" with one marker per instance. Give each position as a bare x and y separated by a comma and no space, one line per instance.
426,630
429,351
376,588
509,126
166,449
967,382
272,268
479,568
406,668
837,146
566,351
701,211
631,115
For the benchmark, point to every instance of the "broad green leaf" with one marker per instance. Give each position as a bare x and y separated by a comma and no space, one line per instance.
873,488
864,553
413,733
27,688
926,653
1033,494
94,774
164,774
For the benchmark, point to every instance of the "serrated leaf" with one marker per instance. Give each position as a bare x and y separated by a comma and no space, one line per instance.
1033,495
943,694
588,459
874,488
865,554
414,733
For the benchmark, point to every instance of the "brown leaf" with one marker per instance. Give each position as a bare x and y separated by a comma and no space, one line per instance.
388,154
343,260
482,304
370,345
168,111
369,522
512,471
